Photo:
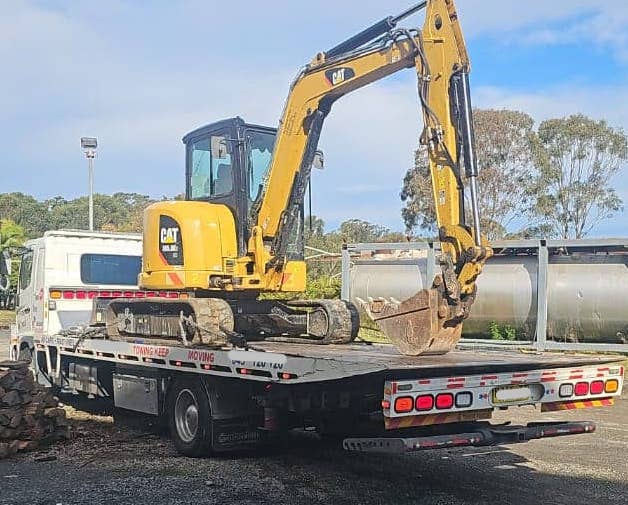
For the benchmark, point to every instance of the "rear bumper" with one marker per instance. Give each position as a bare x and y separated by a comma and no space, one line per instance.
484,436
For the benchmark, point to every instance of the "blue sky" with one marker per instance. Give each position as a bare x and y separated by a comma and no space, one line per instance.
139,75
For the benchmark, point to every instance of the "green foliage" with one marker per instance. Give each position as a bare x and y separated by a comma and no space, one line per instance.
504,151
11,234
577,158
505,332
552,182
323,287
117,212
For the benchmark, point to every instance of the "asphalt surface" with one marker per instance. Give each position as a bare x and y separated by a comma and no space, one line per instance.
106,463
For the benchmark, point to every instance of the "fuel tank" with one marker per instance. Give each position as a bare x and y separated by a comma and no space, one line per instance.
587,293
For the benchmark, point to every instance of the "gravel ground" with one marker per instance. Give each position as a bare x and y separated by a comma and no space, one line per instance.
106,463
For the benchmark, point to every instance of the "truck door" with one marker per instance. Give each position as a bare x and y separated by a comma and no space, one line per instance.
26,296
39,292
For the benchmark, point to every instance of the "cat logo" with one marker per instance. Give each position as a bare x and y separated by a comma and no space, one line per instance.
169,235
339,75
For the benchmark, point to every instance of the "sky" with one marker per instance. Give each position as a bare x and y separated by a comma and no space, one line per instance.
140,74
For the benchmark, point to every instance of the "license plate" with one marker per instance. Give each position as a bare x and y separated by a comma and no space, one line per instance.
511,394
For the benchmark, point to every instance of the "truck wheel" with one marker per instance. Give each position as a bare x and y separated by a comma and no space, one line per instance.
189,418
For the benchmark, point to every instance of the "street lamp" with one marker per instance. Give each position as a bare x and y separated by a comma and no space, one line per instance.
89,145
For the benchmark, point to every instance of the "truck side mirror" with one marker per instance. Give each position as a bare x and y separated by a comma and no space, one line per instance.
5,263
5,270
319,160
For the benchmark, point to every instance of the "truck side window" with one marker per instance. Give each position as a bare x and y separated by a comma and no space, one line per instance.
26,268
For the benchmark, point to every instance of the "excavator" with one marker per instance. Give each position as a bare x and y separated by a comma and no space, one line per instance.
238,235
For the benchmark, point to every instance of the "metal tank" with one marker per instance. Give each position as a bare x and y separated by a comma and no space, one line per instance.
587,288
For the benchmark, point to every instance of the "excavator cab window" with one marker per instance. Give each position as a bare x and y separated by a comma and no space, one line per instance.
211,168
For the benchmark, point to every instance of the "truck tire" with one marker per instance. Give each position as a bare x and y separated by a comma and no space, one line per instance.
189,418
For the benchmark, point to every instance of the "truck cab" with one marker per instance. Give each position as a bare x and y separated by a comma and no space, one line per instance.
60,275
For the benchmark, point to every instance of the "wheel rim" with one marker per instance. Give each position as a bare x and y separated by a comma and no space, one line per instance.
186,415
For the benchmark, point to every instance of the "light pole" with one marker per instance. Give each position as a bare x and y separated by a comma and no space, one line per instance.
89,145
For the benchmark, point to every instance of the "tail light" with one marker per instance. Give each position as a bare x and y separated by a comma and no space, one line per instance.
581,388
68,295
565,390
444,401
403,404
597,387
424,402
611,386
464,399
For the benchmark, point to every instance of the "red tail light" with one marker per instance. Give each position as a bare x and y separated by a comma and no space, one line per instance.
68,295
139,294
117,294
597,387
150,294
385,404
445,401
424,402
581,388
403,404
92,294
81,295
128,294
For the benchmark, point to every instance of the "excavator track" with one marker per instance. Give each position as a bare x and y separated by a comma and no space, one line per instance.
331,321
193,321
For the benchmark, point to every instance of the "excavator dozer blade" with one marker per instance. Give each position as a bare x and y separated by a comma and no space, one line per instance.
415,325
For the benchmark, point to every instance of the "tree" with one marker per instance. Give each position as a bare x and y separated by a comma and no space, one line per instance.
503,141
577,158
11,234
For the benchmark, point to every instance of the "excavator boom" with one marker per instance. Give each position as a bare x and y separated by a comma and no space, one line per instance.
431,321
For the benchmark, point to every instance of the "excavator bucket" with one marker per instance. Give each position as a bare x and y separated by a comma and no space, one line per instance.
422,324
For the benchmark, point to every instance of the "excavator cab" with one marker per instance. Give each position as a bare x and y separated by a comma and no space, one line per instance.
227,163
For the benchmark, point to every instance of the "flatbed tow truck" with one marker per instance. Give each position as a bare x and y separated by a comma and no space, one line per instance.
373,397
193,360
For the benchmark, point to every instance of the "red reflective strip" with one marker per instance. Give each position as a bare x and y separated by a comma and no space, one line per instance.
425,381
520,374
549,372
456,379
487,377
394,387
455,386
604,369
575,377
548,379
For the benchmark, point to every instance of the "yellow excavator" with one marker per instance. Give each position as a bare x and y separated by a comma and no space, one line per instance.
239,232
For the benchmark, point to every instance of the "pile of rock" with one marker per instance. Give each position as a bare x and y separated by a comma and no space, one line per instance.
30,415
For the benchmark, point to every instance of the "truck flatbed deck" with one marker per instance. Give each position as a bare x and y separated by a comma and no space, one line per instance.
380,357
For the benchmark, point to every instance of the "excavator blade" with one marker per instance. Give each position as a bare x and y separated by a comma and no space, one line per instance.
419,325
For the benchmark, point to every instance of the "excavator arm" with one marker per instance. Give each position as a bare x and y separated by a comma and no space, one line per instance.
430,321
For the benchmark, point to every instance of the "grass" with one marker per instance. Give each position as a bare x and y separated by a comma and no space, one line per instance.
7,317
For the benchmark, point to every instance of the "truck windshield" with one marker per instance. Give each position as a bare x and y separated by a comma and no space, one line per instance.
110,269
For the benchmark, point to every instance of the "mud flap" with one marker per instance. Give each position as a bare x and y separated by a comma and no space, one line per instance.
418,325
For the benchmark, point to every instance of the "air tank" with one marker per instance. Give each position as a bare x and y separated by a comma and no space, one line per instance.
587,293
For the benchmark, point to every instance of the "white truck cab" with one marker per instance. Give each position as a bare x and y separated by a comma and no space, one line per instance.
62,272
